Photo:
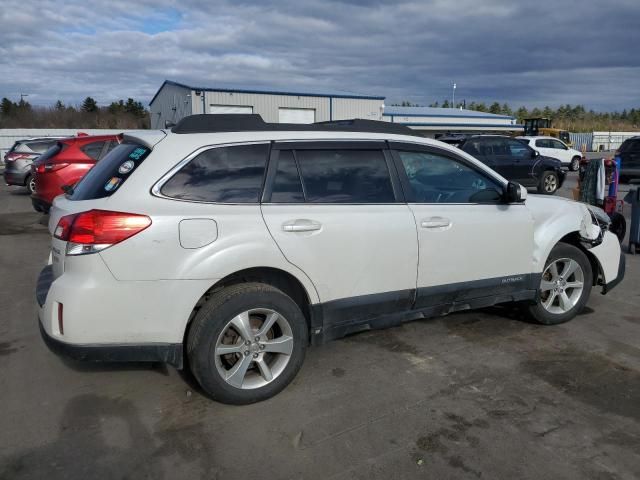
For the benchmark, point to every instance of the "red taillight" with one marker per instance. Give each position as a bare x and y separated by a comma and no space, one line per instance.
63,229
100,227
50,167
10,157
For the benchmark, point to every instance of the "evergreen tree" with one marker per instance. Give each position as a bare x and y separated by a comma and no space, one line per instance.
522,113
7,106
495,108
89,105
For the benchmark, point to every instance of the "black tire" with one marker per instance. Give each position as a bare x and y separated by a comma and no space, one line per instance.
548,176
214,316
618,226
575,164
538,313
30,184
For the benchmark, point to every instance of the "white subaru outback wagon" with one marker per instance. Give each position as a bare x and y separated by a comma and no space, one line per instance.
229,245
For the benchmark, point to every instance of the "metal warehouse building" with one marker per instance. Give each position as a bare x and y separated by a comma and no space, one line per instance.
432,121
173,101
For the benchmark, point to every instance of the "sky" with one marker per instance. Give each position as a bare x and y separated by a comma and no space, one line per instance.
533,53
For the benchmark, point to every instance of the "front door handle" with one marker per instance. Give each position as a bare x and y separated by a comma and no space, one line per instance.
436,222
301,225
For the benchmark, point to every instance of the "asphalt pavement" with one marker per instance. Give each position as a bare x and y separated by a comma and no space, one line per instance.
480,394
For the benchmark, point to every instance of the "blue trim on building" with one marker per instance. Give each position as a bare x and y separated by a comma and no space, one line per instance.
490,116
447,125
266,92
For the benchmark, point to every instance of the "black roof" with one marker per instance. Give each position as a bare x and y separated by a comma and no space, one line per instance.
213,123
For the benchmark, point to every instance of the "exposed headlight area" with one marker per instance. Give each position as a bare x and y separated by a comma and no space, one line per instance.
592,234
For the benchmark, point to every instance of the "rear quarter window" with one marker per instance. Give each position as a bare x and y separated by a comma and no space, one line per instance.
221,175
108,175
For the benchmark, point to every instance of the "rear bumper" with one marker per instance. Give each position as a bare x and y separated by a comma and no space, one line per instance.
156,352
105,319
40,205
170,353
15,178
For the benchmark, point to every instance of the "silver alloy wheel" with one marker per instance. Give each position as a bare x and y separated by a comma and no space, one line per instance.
32,185
254,348
575,164
550,183
561,286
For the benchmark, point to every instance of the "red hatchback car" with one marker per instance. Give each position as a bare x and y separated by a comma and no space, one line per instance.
64,164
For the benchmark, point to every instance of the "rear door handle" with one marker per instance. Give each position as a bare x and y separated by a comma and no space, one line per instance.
301,225
436,222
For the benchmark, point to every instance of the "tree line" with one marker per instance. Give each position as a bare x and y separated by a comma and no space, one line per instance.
575,118
125,114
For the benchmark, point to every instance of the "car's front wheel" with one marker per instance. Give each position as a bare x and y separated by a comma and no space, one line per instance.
549,183
247,343
565,286
575,164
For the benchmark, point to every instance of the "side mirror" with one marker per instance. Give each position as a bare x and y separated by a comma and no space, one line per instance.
515,193
534,153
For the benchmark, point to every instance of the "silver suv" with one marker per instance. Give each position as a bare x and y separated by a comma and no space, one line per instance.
229,245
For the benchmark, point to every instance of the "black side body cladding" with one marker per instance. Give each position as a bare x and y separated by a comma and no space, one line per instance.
335,319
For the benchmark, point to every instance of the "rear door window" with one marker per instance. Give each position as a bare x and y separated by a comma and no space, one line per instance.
557,144
287,187
108,175
221,175
345,176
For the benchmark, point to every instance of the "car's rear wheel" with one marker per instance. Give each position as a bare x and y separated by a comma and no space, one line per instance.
549,183
575,164
30,183
565,286
247,343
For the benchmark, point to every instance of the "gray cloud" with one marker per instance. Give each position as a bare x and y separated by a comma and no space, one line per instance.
547,52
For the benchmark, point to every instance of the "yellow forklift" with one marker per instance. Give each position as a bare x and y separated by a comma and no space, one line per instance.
543,126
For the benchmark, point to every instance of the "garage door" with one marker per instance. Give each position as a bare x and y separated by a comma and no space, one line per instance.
230,109
296,115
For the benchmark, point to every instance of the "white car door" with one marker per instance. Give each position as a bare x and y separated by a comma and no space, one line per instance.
562,152
337,214
472,246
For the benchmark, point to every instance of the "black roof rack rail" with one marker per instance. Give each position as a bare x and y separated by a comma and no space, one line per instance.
214,123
